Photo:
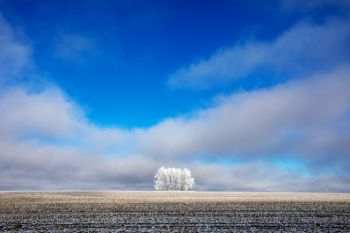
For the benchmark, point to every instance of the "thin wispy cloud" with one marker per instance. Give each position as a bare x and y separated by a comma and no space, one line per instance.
15,55
299,5
73,47
303,49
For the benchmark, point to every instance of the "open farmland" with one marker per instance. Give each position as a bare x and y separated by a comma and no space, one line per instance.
173,211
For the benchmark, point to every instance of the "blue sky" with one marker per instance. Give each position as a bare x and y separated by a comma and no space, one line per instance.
254,90
121,53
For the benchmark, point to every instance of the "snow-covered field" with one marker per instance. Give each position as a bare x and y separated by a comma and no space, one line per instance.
173,212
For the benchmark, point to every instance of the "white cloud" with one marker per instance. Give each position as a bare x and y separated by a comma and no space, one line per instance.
258,176
47,113
15,55
30,165
305,117
300,51
46,141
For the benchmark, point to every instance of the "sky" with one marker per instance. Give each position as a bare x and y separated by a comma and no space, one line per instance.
249,95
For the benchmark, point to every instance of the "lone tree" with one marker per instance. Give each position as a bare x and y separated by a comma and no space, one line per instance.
173,179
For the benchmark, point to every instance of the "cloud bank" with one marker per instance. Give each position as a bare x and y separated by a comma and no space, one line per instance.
283,119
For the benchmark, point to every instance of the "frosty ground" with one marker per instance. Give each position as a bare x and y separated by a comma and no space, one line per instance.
173,212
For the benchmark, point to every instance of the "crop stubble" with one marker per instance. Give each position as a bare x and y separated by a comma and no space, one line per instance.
173,212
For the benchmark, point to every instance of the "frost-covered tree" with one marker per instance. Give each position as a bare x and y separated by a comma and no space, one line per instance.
186,180
173,179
